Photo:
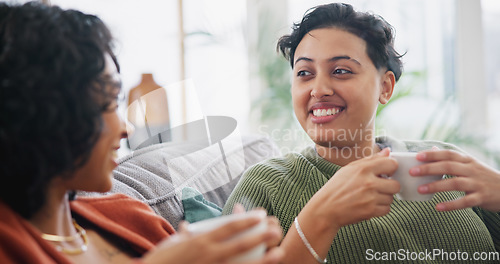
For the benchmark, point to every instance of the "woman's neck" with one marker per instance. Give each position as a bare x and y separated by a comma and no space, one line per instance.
345,154
54,217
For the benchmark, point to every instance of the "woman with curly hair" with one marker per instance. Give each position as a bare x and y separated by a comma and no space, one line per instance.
59,132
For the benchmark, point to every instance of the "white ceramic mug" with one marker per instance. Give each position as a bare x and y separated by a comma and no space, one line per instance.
213,223
409,184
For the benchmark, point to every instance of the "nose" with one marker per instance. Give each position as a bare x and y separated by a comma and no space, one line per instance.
129,128
126,128
322,87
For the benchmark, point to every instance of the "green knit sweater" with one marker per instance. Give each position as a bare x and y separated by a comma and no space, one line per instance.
411,231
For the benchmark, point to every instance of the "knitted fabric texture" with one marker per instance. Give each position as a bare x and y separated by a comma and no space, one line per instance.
284,185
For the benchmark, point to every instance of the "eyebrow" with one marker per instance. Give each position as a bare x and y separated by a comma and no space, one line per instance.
333,59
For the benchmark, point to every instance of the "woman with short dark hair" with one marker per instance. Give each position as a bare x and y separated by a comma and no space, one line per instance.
331,198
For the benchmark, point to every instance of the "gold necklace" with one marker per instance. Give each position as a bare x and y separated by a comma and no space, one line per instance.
72,251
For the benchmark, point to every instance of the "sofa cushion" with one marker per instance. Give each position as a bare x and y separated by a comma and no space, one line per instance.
157,174
196,207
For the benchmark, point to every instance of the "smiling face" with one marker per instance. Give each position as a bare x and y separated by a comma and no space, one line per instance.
336,88
96,174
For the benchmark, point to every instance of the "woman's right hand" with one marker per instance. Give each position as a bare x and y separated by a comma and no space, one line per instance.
214,246
357,191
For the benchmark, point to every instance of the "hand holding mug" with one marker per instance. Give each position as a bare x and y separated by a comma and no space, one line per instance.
227,241
357,188
480,182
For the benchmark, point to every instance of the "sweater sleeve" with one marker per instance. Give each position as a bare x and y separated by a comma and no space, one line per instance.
492,222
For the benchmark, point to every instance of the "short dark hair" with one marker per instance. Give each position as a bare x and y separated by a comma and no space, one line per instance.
374,30
51,79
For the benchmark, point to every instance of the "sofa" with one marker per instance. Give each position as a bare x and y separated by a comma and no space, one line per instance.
191,179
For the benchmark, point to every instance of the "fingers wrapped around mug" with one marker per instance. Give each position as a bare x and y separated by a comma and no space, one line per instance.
479,182
357,188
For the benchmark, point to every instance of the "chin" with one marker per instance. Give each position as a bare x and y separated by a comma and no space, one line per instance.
108,185
323,136
333,144
105,186
331,140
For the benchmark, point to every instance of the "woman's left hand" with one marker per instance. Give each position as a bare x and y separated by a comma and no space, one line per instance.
272,222
219,245
480,182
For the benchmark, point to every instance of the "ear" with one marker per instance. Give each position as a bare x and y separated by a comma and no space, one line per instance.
388,81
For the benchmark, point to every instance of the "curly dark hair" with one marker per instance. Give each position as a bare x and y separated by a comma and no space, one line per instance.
374,30
51,97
